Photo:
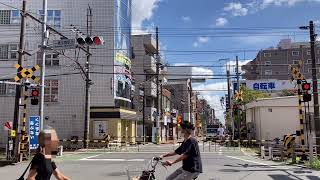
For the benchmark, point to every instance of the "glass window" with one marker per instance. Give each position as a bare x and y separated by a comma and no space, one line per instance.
268,72
5,16
295,62
309,61
15,17
268,63
267,54
54,18
309,52
4,51
13,51
51,91
52,59
3,89
295,53
7,89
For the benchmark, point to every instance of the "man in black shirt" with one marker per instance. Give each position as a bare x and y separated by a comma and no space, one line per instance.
189,155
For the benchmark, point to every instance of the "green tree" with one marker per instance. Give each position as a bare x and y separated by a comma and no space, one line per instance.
250,95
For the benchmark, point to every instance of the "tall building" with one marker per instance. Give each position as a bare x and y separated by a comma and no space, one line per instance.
144,69
111,109
273,63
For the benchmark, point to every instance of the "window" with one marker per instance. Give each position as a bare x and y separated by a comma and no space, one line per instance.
8,51
309,70
269,109
7,89
4,51
10,17
309,52
268,72
309,61
295,53
51,91
52,59
267,54
5,16
295,61
54,17
268,63
15,17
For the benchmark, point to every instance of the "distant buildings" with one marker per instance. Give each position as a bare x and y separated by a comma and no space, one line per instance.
273,63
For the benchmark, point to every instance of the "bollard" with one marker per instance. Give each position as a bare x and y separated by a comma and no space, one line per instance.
215,146
270,153
60,150
203,145
262,152
310,149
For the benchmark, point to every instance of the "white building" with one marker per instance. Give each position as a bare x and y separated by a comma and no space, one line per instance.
274,117
111,108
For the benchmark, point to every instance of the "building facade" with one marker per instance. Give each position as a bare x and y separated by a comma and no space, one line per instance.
273,63
111,97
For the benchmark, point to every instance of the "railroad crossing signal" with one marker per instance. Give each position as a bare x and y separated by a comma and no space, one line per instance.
239,96
26,73
296,73
34,95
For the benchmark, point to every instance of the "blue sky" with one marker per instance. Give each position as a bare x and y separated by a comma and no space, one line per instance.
200,20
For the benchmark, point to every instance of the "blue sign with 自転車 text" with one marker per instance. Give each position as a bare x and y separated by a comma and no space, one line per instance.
34,130
264,86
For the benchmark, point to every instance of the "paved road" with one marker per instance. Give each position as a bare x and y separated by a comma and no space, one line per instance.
221,164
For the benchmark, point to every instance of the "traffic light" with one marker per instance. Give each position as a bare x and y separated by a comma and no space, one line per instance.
34,96
94,40
306,86
306,96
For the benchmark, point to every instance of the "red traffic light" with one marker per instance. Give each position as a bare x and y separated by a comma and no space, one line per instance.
306,86
34,93
98,40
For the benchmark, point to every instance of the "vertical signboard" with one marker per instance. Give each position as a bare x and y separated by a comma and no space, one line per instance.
34,130
122,41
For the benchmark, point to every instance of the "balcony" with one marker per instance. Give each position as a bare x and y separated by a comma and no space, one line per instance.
151,89
150,114
150,64
150,45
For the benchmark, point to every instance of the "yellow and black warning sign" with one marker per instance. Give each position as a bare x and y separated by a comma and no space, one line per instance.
26,73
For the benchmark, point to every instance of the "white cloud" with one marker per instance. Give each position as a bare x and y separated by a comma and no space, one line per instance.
197,72
236,9
142,10
233,66
221,21
201,40
186,18
267,3
213,98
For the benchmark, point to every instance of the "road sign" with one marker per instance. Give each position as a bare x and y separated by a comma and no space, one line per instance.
34,130
63,44
7,126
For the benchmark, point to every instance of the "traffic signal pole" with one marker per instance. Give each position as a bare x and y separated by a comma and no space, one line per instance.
16,115
88,81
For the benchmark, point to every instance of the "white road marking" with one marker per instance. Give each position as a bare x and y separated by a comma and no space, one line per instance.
114,160
241,159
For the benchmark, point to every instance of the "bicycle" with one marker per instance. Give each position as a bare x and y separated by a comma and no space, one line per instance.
148,174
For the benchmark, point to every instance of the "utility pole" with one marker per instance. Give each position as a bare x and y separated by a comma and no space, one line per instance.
16,115
229,99
158,96
43,67
143,114
88,81
315,84
238,89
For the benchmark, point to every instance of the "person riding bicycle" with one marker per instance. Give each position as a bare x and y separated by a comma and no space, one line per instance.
189,155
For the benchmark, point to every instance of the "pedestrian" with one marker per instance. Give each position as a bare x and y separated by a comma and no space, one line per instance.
42,166
107,139
189,155
221,132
